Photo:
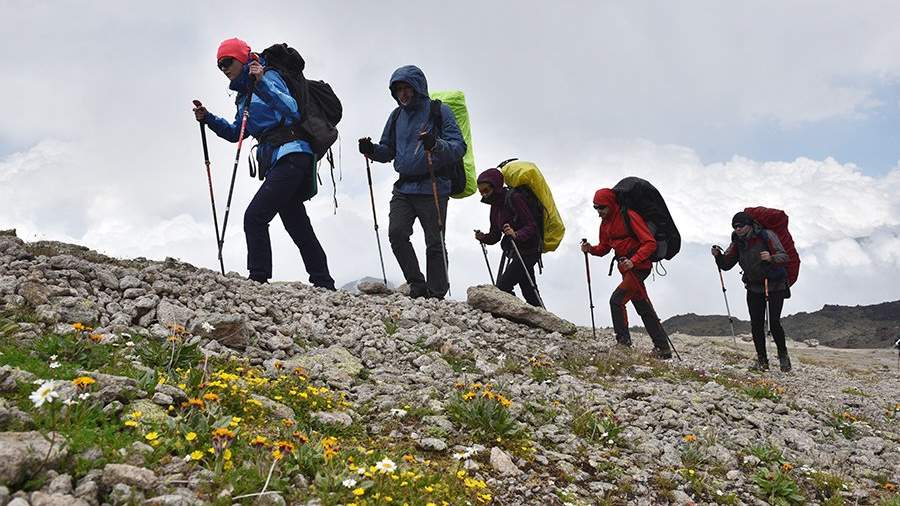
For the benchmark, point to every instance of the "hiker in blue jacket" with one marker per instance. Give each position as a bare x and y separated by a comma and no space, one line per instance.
286,161
410,132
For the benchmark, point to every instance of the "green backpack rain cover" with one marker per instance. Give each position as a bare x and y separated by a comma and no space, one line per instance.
456,100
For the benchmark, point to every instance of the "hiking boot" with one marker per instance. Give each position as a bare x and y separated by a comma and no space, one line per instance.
760,365
417,291
784,362
330,288
662,354
259,280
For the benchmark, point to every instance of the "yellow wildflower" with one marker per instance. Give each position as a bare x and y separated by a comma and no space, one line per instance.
259,441
190,436
131,423
196,455
83,381
151,436
358,491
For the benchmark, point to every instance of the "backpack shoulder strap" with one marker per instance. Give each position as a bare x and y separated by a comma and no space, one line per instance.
627,219
393,129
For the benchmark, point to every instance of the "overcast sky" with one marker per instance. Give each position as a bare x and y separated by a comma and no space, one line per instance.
794,105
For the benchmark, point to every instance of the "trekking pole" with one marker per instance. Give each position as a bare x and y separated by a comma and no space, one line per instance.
375,219
673,346
768,322
587,270
502,265
487,262
212,199
727,307
437,207
237,158
525,270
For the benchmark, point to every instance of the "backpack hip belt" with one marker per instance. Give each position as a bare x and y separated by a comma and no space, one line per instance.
281,135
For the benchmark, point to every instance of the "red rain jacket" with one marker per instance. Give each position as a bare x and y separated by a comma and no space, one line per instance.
614,234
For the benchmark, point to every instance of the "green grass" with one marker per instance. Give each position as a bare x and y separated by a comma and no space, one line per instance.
778,487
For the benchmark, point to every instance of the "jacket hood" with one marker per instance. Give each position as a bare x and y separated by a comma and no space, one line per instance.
607,197
242,83
492,177
414,77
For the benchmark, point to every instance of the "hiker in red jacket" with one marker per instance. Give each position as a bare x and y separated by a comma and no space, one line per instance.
511,220
633,253
762,258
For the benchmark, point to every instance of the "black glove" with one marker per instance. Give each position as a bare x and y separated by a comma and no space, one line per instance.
366,147
428,140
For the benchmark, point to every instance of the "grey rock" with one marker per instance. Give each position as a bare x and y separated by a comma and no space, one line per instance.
169,312
499,303
277,409
162,399
680,498
432,444
273,499
174,392
372,287
173,500
10,377
44,499
502,463
129,282
75,309
798,440
132,476
35,293
21,454
62,484
106,278
331,418
18,501
230,330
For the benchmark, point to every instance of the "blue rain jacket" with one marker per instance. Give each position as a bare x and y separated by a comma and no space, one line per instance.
406,150
271,104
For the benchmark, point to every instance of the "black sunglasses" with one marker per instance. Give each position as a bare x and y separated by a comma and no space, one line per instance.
599,207
738,225
224,63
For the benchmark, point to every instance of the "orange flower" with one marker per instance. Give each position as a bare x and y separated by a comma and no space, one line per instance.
689,438
786,467
95,337
194,403
285,446
223,433
210,397
83,381
287,422
300,437
259,441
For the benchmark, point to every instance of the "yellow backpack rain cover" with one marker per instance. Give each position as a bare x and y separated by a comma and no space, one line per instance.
456,100
519,173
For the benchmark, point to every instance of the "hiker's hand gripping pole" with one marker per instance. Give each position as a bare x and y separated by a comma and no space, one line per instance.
212,198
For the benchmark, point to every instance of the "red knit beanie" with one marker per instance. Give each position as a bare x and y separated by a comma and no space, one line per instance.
235,48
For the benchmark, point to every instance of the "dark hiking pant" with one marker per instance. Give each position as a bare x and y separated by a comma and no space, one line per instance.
756,303
404,211
619,313
514,274
280,194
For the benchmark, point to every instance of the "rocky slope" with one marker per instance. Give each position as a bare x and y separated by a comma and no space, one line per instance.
176,385
874,326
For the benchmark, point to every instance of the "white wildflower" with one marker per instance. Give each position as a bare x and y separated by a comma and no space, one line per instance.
207,327
399,413
84,395
38,382
385,466
349,483
361,471
53,357
130,344
459,456
43,394
70,402
54,365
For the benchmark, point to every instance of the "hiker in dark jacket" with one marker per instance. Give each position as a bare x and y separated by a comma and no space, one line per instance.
762,258
290,172
633,249
511,220
408,135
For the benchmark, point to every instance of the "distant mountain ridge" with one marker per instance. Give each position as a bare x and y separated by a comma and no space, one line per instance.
874,326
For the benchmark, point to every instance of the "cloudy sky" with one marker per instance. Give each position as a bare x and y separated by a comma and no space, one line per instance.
794,105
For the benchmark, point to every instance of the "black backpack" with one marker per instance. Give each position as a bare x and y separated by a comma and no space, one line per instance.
455,172
321,108
642,197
